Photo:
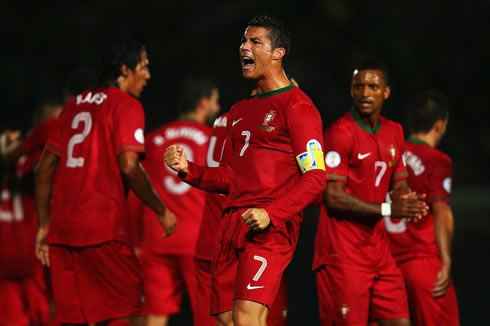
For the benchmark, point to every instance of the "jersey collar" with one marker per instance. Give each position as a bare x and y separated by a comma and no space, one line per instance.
417,141
275,92
362,124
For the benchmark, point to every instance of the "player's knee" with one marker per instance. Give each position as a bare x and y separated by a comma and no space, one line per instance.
242,317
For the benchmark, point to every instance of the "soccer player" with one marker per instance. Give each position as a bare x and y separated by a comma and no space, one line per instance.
207,240
168,264
422,250
357,277
90,157
23,290
276,170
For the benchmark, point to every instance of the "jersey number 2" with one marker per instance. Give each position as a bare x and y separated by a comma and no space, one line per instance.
86,118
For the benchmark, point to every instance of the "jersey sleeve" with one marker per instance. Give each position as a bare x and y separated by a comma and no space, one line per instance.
440,179
55,140
400,171
338,148
129,126
305,131
214,179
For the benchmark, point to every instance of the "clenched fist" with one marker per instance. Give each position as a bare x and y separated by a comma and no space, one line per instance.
256,218
176,159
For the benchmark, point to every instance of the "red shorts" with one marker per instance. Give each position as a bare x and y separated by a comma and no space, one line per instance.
420,276
166,278
348,297
97,283
277,316
248,265
24,301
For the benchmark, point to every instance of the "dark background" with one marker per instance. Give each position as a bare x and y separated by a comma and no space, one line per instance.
427,44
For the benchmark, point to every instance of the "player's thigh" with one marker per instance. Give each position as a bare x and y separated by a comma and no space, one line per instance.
420,277
343,295
389,296
12,308
260,268
163,283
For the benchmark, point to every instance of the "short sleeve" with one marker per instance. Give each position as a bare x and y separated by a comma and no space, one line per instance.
305,130
440,179
129,126
338,146
55,141
400,171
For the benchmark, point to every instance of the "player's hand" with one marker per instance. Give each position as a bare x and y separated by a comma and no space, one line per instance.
169,222
411,206
256,218
42,249
176,159
443,281
12,136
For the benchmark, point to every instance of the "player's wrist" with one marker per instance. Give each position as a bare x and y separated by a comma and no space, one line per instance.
386,209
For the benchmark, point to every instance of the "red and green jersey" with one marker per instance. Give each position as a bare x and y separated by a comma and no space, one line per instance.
88,202
185,201
430,173
276,163
367,161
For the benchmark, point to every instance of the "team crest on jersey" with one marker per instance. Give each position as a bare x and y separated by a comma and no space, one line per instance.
392,151
269,116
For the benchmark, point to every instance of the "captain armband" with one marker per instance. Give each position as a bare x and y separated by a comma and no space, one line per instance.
311,160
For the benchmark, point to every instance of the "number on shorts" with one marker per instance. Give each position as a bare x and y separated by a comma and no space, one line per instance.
76,162
261,268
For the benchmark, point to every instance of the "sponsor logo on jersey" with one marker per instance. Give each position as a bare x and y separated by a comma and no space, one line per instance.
235,122
139,136
313,145
332,159
269,116
254,287
363,156
446,184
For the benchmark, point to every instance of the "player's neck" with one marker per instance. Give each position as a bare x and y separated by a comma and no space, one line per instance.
273,82
428,138
191,116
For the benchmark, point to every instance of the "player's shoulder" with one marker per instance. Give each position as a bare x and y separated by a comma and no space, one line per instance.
118,97
344,123
439,156
297,98
391,124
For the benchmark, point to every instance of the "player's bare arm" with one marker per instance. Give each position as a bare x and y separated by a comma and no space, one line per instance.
137,179
44,175
340,201
444,229
406,203
176,159
256,218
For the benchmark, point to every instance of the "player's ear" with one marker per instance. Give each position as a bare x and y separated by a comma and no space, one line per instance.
278,53
387,92
124,70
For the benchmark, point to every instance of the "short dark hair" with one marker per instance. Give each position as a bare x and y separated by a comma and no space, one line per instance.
191,92
374,64
277,32
125,50
425,110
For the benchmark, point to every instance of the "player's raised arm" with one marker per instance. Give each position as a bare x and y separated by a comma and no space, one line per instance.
136,177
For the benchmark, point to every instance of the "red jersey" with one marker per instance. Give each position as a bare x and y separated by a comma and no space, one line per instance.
213,207
367,161
185,201
18,216
266,133
88,204
429,173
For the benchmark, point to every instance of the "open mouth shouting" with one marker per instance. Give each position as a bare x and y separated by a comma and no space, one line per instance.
247,63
